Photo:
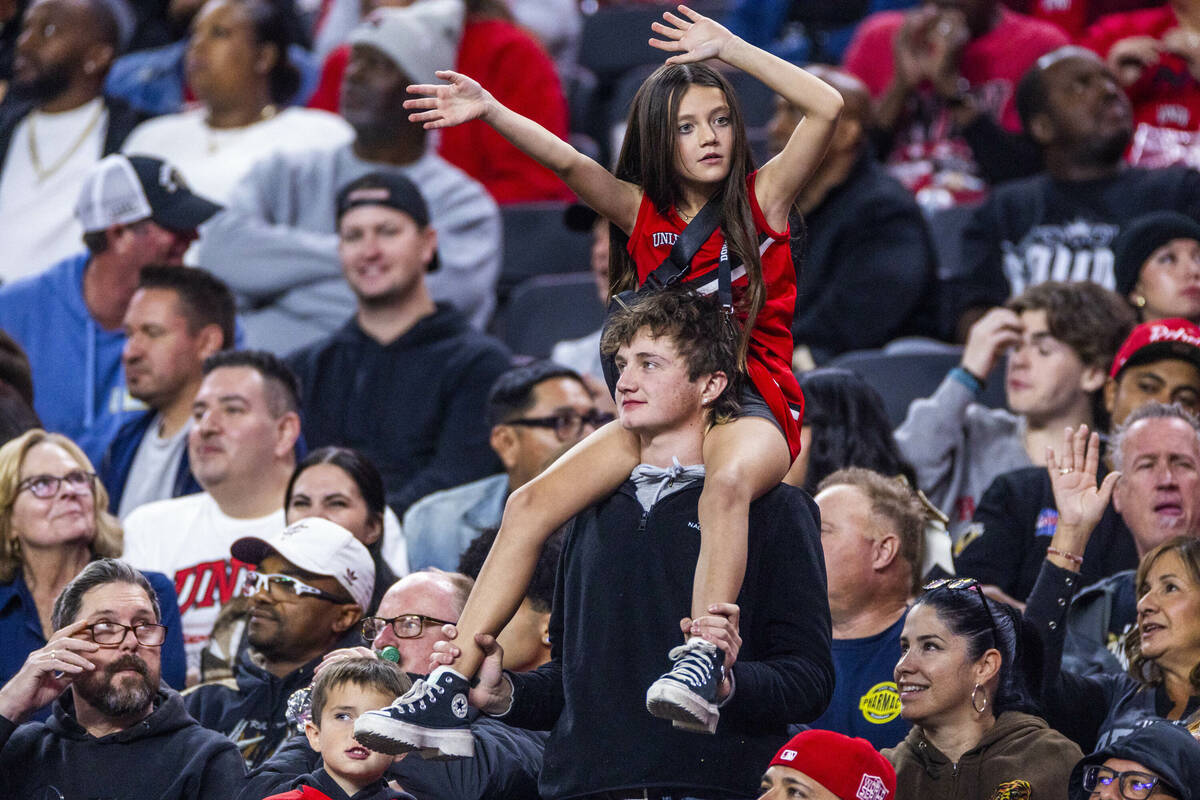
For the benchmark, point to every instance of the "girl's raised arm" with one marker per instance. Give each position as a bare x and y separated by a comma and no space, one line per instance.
463,99
780,180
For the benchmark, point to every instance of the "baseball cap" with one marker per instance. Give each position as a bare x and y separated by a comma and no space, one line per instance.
1165,748
386,189
1158,340
1140,238
849,768
122,189
420,39
316,545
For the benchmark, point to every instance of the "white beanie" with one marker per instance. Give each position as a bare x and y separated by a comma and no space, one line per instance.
421,38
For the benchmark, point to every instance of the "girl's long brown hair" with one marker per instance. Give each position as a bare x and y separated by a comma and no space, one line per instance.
647,159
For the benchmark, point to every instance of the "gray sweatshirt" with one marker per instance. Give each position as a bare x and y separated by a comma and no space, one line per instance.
276,246
958,447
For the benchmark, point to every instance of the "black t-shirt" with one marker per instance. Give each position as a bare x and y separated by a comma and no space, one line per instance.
1019,517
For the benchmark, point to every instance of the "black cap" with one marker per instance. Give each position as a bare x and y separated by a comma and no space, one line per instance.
386,189
1165,748
1141,237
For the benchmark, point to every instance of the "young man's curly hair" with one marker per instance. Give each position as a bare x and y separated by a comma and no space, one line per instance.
705,338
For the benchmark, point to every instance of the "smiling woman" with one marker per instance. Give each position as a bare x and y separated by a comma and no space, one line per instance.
53,522
965,669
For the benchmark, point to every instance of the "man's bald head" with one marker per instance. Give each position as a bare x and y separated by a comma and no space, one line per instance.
855,120
432,594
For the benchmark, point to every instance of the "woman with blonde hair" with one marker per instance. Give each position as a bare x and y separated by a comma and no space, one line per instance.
53,522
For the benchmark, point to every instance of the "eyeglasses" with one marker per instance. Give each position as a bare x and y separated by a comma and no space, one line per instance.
284,587
568,423
968,584
111,634
405,626
1132,785
44,486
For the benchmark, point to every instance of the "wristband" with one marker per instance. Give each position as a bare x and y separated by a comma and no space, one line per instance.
1074,559
972,382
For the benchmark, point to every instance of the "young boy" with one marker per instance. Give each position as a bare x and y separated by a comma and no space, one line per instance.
341,692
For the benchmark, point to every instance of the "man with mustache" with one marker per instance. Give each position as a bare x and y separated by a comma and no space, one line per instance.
312,585
55,124
116,731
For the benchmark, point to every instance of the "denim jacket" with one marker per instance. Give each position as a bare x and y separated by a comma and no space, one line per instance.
439,527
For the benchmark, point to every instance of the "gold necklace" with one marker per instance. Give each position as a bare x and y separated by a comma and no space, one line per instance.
35,159
214,145
685,217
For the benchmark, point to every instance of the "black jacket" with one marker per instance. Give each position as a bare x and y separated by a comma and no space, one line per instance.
868,264
624,583
250,708
1018,516
122,119
167,756
1091,710
505,767
415,406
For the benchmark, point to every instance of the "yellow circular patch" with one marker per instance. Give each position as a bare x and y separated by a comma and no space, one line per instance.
881,704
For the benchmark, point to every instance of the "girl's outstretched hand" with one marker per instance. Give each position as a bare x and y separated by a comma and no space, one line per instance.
448,104
694,39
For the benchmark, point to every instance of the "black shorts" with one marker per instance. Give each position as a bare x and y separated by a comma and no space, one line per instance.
753,405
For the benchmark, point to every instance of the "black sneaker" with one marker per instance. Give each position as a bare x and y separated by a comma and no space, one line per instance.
431,717
686,694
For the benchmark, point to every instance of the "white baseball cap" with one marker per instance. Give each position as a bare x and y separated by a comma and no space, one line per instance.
316,545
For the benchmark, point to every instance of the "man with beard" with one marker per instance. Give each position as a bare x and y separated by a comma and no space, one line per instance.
312,585
1060,224
405,380
277,246
115,732
135,211
55,125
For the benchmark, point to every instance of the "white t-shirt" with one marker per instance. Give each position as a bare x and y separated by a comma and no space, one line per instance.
37,211
152,473
213,160
188,539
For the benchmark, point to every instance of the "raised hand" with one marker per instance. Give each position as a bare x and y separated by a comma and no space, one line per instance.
693,39
909,51
46,672
448,104
1130,57
1080,501
995,332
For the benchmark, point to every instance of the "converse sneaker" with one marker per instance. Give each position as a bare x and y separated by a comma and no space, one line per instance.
685,694
430,717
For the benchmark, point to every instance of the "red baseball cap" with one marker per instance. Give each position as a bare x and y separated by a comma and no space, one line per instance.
1155,341
849,768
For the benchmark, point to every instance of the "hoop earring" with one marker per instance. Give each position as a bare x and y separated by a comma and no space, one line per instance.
974,692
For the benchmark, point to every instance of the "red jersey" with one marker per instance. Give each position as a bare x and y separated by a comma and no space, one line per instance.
1166,99
769,356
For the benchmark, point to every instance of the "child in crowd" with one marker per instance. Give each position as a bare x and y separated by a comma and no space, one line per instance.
685,147
340,694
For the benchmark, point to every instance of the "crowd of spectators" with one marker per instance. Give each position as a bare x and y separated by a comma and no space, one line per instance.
259,419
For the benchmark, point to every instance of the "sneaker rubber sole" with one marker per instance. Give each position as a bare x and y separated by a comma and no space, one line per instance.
668,699
393,737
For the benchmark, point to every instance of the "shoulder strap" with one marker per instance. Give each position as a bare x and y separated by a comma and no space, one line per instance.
697,232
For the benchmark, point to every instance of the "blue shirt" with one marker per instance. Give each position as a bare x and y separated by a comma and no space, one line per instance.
21,630
78,382
866,701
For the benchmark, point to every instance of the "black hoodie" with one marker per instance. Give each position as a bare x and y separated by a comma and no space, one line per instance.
166,756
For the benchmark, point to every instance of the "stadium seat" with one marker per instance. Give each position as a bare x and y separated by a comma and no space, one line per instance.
901,378
536,242
549,308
